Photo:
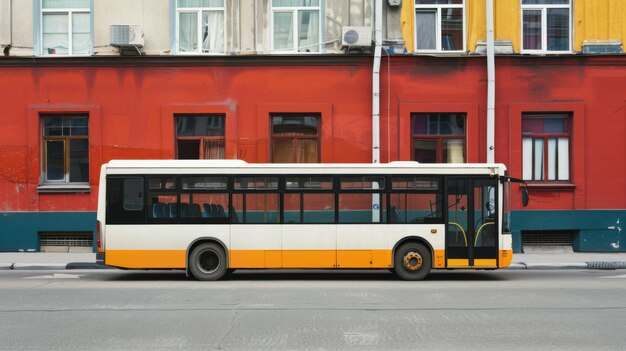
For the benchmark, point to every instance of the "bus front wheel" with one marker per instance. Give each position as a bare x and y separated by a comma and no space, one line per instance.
207,261
412,261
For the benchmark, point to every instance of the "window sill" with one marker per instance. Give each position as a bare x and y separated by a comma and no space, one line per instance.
551,186
64,188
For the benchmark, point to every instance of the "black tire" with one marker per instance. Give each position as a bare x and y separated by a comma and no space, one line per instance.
412,261
207,261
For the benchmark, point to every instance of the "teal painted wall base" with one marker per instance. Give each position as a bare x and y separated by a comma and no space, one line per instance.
595,230
20,230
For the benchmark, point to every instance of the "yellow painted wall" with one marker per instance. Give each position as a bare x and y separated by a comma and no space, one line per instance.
593,19
599,19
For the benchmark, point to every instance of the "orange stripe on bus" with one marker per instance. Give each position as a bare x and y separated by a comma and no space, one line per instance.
146,258
176,259
310,259
506,256
439,260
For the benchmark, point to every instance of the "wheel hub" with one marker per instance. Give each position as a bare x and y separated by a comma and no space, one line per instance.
412,261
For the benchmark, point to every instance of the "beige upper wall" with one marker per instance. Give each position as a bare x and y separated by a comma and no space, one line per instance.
20,33
152,15
5,22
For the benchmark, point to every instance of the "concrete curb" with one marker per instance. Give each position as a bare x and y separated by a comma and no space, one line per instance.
38,266
52,266
600,265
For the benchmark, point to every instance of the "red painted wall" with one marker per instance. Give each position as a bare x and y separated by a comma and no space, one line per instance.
131,106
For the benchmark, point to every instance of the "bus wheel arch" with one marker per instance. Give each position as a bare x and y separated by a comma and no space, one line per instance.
412,259
207,259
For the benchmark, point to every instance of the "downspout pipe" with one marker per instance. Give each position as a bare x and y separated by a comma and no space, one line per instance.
491,85
378,39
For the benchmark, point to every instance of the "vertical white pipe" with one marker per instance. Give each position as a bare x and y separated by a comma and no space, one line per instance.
491,86
378,38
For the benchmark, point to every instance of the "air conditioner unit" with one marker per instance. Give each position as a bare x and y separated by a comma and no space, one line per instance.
126,35
356,36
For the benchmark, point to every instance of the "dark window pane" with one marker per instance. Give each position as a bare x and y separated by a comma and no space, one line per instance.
79,160
438,123
294,125
558,29
55,159
53,126
199,125
554,125
79,126
425,151
532,30
451,29
532,126
188,149
133,194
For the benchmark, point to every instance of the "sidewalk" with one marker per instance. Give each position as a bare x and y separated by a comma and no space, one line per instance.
22,260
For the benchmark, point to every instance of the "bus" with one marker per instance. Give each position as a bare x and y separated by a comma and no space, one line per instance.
210,217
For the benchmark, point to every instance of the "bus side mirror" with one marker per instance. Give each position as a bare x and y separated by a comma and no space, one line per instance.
524,197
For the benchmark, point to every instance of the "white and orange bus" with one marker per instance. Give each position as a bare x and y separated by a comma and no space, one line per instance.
209,217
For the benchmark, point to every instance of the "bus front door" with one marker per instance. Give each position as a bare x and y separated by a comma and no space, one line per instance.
471,234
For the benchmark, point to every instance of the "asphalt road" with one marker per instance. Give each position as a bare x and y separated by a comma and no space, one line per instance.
499,310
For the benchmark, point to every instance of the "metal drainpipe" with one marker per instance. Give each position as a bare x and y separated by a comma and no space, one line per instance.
378,38
491,85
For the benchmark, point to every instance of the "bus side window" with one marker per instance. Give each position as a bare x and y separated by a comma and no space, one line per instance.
125,200
133,194
416,199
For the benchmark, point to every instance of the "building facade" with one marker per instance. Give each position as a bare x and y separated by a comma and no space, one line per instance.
87,81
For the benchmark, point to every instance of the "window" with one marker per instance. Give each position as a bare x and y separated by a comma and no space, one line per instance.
439,25
362,200
200,136
204,199
546,147
438,137
65,154
200,26
546,26
295,138
66,27
296,26
309,200
256,200
416,200
125,200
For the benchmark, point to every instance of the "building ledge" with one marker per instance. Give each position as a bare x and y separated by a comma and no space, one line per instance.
64,188
550,186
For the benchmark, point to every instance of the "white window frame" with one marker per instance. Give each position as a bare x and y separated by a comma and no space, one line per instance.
544,27
69,12
198,11
294,11
440,8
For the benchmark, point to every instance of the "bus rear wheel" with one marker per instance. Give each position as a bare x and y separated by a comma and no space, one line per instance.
412,261
207,261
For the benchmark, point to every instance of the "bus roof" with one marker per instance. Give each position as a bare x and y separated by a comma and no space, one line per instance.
242,167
